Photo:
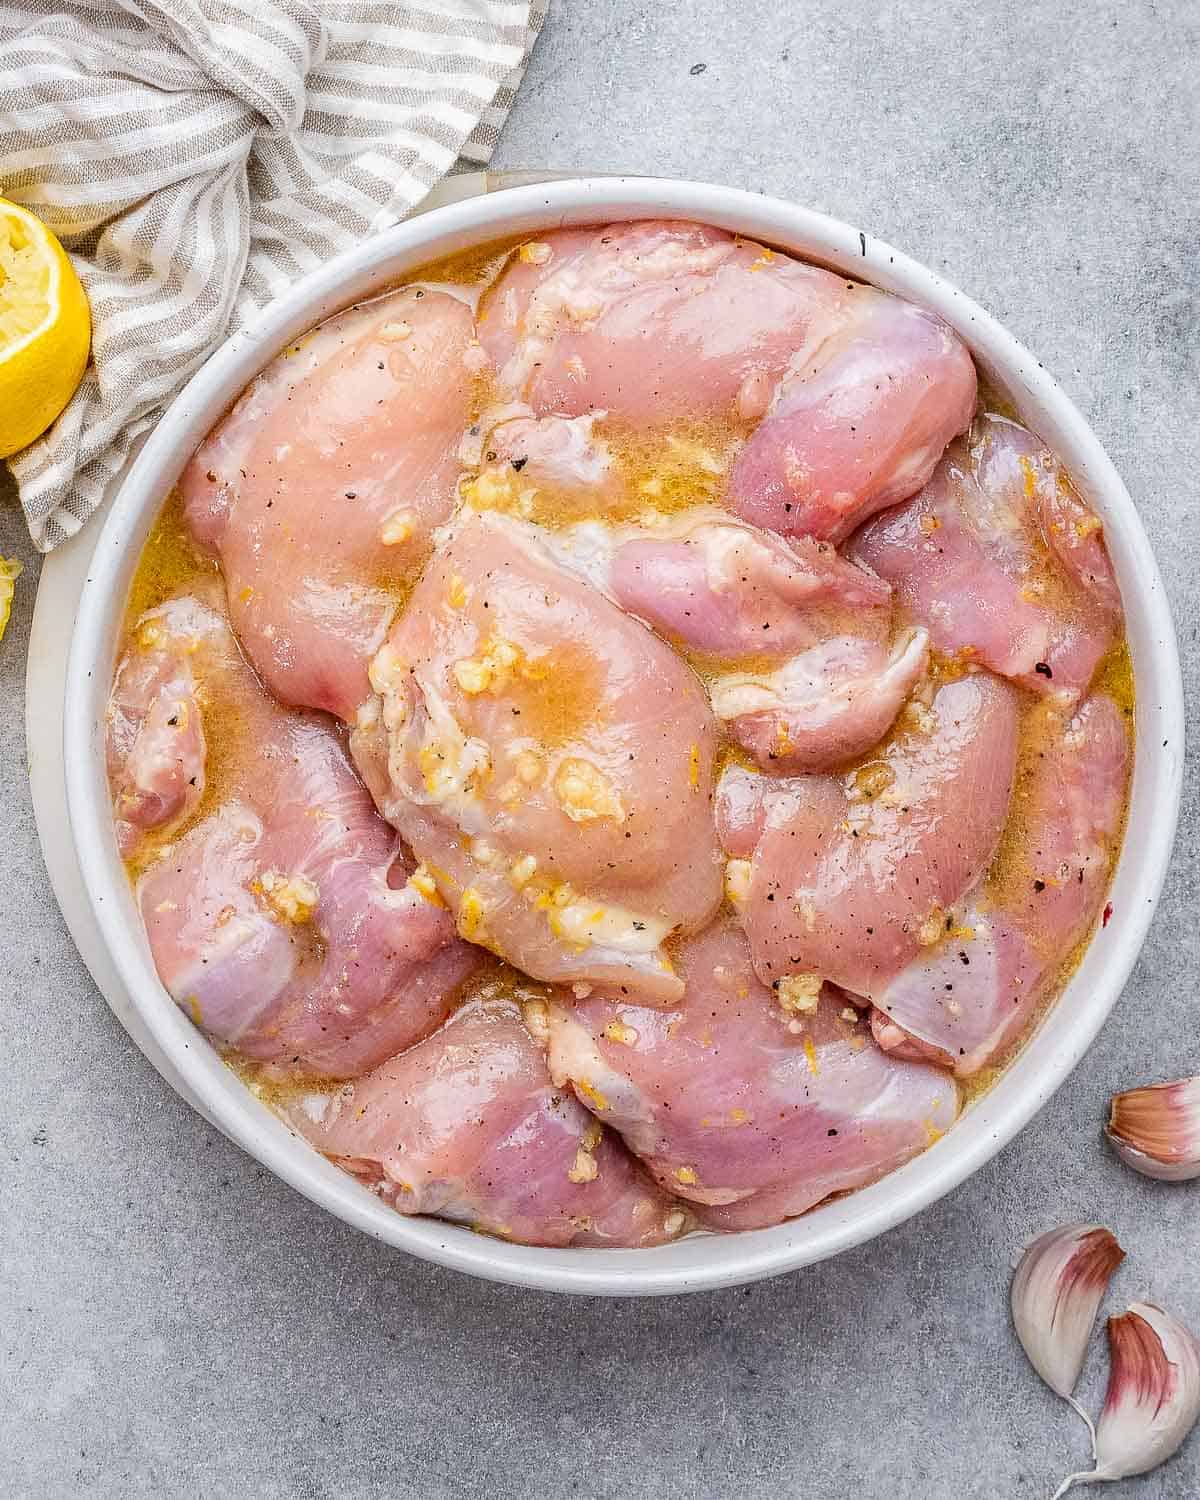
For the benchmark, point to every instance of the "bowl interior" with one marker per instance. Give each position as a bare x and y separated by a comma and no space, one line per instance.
701,1260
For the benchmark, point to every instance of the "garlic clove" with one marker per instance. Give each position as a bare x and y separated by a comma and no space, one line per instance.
1153,1396
1156,1130
1056,1293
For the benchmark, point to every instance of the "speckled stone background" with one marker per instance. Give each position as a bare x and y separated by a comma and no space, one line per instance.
175,1322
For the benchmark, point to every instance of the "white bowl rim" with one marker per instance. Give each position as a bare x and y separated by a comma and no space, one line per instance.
698,1262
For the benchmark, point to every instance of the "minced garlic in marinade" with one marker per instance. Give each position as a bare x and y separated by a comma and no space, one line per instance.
664,475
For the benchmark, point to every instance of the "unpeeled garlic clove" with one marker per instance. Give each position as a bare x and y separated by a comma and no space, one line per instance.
1153,1396
1056,1293
1156,1130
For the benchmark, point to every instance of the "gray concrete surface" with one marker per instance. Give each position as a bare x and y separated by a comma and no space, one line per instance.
174,1322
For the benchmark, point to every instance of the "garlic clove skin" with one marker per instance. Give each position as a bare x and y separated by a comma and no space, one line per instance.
1056,1293
1153,1397
1156,1130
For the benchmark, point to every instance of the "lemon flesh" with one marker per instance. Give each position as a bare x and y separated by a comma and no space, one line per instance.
45,328
9,569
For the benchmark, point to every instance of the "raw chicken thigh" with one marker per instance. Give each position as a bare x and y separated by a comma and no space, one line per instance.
818,683
963,1000
999,557
156,748
549,759
648,323
752,1111
467,1125
319,491
732,591
825,707
858,421
281,922
848,877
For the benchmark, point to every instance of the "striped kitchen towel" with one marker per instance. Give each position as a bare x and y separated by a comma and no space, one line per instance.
197,156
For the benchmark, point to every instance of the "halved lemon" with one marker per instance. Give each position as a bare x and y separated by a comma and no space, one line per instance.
45,328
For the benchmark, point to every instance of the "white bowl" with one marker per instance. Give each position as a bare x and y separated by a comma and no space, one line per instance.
702,1260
